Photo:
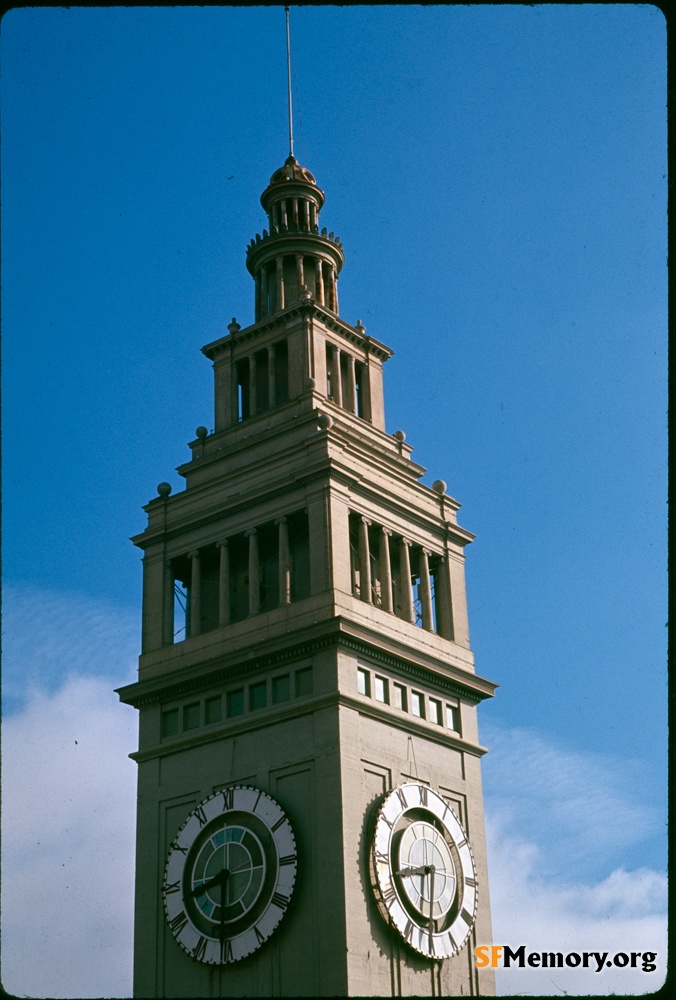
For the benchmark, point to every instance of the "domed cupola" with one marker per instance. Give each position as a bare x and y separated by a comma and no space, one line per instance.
293,259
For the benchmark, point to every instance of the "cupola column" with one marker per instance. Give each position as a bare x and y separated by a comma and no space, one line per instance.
351,401
280,281
336,381
306,213
320,282
254,572
224,583
168,610
263,305
253,402
407,612
195,593
300,272
385,570
364,561
284,562
272,384
426,590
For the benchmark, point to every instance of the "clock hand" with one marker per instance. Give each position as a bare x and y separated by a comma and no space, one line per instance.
431,870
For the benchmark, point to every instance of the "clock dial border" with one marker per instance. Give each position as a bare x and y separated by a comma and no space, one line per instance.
258,826
445,936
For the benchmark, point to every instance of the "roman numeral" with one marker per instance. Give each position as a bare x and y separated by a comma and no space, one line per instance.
170,887
408,931
259,936
461,844
280,822
382,859
288,859
179,847
201,815
199,951
179,922
423,795
471,882
389,895
281,901
228,798
226,952
467,917
402,798
389,822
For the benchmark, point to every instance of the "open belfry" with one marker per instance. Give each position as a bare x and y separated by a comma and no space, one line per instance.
310,815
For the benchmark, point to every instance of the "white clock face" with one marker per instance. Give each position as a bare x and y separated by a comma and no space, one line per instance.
423,871
229,875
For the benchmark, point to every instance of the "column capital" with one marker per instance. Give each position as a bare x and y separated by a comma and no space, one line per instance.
426,552
223,544
407,542
249,532
387,531
281,520
195,554
366,520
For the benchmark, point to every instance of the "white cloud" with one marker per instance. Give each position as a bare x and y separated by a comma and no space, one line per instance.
555,815
68,804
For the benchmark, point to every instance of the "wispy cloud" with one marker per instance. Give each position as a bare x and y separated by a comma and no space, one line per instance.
553,815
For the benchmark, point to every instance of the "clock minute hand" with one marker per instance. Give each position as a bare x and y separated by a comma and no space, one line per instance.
220,879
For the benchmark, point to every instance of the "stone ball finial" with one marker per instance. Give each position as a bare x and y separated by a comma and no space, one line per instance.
201,432
234,327
310,383
399,436
439,486
164,489
325,421
360,327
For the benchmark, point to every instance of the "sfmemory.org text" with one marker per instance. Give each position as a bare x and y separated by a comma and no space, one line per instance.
498,956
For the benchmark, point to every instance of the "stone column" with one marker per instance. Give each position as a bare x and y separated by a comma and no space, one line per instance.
224,584
280,283
351,401
407,611
336,380
300,272
332,297
314,221
306,213
253,402
195,593
284,562
364,561
320,281
385,570
168,609
285,220
254,573
272,384
426,590
443,595
264,291
258,309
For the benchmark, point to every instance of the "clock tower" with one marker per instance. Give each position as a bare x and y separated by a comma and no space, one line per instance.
310,817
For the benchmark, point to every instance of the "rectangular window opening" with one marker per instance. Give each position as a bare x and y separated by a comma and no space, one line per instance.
281,689
363,682
235,702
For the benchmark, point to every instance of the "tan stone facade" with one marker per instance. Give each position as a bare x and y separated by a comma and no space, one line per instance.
323,651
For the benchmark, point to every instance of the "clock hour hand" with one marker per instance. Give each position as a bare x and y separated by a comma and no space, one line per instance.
220,879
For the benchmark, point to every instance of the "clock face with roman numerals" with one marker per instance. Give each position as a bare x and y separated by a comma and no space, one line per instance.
230,874
422,871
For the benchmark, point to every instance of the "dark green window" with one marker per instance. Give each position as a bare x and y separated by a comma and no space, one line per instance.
258,695
191,715
170,722
213,709
235,702
281,689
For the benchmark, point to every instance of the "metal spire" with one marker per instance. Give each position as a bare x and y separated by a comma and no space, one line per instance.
288,73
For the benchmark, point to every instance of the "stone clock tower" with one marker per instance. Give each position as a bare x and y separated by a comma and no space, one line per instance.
310,817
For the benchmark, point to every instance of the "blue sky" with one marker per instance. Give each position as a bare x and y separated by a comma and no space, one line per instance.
497,175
